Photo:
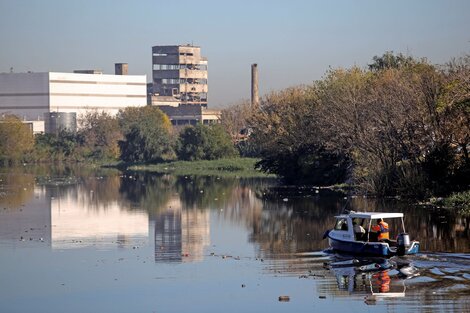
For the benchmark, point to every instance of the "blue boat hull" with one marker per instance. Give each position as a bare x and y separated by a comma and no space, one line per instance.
369,248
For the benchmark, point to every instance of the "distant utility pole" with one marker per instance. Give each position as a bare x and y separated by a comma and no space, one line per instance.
254,85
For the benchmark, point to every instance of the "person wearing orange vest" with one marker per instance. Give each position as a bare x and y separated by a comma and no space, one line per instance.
381,229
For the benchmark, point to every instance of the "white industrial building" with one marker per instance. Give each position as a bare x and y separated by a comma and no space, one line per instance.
30,95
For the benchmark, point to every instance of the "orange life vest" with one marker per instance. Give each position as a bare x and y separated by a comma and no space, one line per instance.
382,230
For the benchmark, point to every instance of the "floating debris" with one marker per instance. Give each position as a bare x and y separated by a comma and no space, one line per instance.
284,298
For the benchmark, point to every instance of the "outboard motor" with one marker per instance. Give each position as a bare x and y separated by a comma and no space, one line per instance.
403,243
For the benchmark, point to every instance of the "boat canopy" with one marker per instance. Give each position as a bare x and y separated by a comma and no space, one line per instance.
372,215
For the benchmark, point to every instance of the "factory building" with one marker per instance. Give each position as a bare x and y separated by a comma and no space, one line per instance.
179,86
191,115
32,96
179,72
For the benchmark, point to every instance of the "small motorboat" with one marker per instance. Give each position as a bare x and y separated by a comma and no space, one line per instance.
344,238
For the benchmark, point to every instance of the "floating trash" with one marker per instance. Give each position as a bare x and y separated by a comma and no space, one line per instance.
284,298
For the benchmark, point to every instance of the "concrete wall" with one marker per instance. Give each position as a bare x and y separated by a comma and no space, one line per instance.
30,95
25,95
81,92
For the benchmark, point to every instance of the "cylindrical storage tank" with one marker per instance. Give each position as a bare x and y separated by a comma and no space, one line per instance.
54,122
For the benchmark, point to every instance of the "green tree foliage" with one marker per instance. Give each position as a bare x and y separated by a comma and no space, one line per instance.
147,135
65,146
390,60
202,142
16,139
101,133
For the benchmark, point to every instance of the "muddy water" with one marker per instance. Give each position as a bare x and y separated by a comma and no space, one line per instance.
77,240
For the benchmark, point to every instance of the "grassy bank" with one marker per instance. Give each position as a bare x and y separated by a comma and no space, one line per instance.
242,167
459,201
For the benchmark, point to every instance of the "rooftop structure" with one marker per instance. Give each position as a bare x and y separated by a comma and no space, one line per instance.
190,115
121,68
180,72
95,71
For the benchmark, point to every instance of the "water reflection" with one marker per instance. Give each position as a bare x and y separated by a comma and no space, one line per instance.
68,208
181,235
86,206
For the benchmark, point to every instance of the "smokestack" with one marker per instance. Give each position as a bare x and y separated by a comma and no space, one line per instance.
121,68
254,85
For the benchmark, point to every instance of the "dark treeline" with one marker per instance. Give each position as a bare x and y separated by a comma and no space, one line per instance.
399,127
135,135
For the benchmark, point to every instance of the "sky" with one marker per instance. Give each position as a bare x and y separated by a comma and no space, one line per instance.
293,42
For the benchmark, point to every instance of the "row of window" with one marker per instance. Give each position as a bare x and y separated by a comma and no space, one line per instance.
196,67
177,81
193,122
187,54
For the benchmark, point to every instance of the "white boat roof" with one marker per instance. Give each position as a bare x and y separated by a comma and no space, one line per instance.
372,215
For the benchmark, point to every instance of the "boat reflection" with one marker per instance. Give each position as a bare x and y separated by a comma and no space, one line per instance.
376,278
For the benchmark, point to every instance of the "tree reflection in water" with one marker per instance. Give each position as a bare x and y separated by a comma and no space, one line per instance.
280,220
284,224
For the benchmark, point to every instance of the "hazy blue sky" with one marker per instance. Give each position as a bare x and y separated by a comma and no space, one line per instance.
294,42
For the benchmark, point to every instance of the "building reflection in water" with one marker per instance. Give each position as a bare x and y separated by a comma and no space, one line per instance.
75,225
92,213
181,234
68,213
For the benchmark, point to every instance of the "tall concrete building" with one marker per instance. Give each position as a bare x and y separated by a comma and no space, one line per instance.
180,72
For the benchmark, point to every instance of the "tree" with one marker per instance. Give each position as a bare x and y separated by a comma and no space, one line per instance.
147,135
16,139
220,143
192,143
287,132
390,60
236,118
202,142
101,133
401,127
64,146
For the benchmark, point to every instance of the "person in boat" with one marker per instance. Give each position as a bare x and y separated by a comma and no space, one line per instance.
359,231
381,230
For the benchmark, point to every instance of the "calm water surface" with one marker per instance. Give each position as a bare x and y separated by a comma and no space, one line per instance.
78,240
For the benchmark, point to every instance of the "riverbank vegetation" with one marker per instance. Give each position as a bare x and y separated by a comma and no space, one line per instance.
232,167
399,127
459,201
135,135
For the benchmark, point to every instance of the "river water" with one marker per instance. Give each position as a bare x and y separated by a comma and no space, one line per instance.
89,240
